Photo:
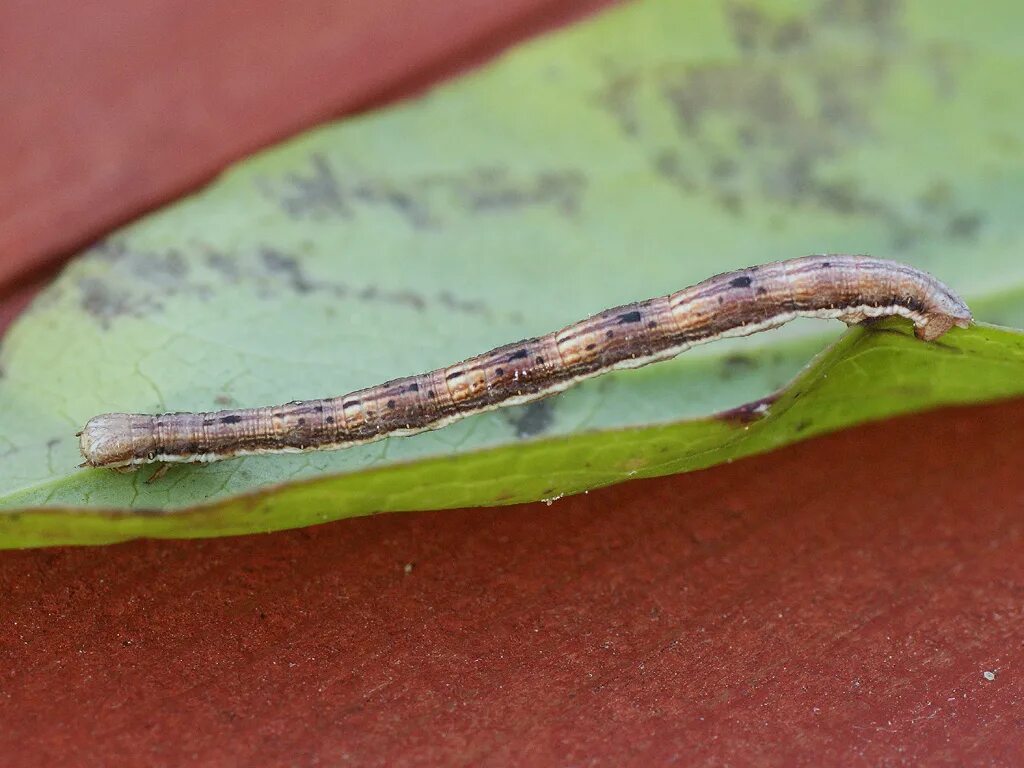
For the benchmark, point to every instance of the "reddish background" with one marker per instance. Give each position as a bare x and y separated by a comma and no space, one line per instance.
834,602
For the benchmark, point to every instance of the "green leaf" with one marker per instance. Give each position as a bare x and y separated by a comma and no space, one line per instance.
624,158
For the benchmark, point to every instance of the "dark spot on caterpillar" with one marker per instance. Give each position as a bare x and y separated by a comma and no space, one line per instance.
207,422
540,361
351,403
743,281
826,264
589,347
302,422
519,354
499,371
329,420
159,423
413,387
391,404
430,394
762,291
454,375
721,300
652,324
234,418
629,317
318,407
788,304
609,333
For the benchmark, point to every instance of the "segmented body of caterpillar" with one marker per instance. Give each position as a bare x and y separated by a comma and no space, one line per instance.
848,288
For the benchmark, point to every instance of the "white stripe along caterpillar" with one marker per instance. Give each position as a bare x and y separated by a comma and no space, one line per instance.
739,303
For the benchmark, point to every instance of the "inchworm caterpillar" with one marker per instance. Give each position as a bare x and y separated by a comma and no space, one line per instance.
848,288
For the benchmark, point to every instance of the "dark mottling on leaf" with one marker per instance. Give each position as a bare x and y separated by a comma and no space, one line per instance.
316,193
755,30
408,203
450,301
105,303
409,299
737,364
324,191
619,100
495,191
669,166
225,265
731,202
964,226
723,168
532,419
286,267
880,17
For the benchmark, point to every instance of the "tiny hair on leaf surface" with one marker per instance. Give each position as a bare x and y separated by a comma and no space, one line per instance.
623,158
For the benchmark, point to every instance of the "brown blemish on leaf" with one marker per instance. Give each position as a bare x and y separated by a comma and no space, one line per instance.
748,412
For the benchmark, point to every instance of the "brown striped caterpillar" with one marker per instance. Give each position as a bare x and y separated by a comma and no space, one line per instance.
739,303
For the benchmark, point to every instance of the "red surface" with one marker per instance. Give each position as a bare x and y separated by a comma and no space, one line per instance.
112,107
836,602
